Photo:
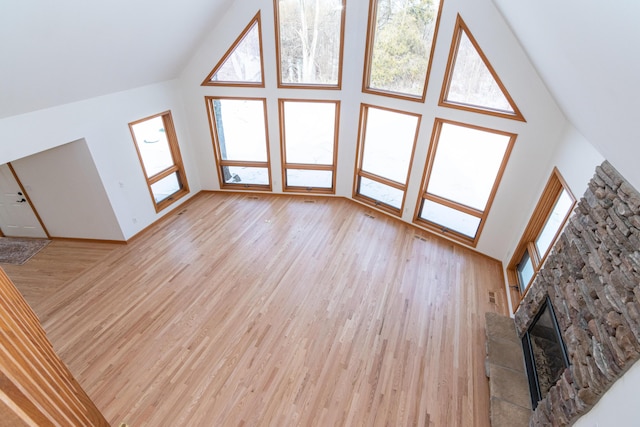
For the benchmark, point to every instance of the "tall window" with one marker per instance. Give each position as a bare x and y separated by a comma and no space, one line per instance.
309,133
309,37
239,130
387,141
546,223
400,42
157,146
464,168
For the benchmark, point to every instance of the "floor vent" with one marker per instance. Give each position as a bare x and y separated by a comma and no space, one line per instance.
419,237
252,197
368,215
309,201
182,211
492,297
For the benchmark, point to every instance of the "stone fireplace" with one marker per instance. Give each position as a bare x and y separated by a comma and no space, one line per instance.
592,282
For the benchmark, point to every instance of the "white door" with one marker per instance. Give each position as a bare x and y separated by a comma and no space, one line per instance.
17,218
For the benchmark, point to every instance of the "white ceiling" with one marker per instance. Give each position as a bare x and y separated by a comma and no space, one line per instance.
588,54
56,52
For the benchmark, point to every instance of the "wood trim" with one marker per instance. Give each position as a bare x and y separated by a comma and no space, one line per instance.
382,180
36,385
208,82
80,239
433,147
453,205
460,27
213,128
546,202
337,86
304,166
177,168
359,172
366,76
26,196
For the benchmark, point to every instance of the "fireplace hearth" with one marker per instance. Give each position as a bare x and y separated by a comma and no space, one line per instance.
544,353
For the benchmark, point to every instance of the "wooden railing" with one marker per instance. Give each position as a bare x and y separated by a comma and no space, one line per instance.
36,388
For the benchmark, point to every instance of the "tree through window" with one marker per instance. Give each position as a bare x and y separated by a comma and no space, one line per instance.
399,46
309,36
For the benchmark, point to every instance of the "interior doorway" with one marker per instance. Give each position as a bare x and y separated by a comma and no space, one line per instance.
18,217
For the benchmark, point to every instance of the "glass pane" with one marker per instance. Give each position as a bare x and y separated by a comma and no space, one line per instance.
383,193
553,224
466,164
165,187
241,129
525,271
243,65
152,142
245,175
389,140
310,41
546,347
449,218
472,83
309,132
309,178
402,39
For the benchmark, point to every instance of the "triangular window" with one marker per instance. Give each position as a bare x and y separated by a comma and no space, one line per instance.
472,83
242,64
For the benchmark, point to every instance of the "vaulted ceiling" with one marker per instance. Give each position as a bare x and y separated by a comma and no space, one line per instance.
53,53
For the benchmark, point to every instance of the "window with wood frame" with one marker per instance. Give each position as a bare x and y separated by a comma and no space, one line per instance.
240,141
400,42
386,144
471,83
547,221
309,134
464,167
242,64
309,40
157,146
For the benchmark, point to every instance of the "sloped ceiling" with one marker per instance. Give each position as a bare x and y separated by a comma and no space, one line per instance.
588,54
56,52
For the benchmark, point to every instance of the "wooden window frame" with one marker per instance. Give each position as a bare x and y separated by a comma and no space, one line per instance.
256,20
460,28
177,167
366,77
359,173
337,86
218,154
547,201
303,166
423,195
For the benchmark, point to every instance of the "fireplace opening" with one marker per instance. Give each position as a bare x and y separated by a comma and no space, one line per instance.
544,353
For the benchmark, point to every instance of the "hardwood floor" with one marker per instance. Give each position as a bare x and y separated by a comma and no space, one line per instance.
274,311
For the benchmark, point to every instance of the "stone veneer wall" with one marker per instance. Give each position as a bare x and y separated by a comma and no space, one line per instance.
593,279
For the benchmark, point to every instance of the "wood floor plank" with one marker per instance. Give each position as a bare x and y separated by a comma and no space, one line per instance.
241,311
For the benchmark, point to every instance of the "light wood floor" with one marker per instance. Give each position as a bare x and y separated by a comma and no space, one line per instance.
273,311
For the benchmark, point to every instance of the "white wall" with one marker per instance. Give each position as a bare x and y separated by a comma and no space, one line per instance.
103,123
619,405
66,191
537,138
